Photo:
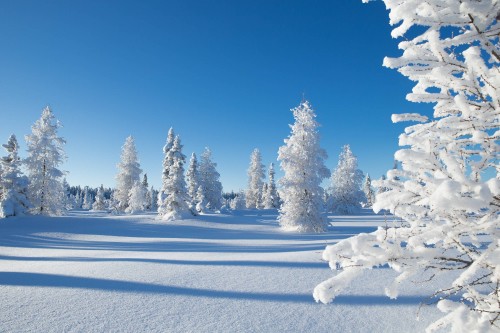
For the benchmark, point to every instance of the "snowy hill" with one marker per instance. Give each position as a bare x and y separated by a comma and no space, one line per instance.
216,273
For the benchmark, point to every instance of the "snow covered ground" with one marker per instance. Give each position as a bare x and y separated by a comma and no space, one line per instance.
90,272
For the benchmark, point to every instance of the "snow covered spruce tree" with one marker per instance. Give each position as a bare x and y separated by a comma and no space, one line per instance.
255,180
448,192
13,184
303,161
346,194
87,199
175,203
193,181
209,181
368,191
129,172
45,155
167,163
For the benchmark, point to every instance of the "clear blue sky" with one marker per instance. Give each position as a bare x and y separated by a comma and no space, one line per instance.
224,74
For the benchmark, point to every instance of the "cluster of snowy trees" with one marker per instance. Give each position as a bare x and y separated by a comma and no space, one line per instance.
259,194
42,190
447,191
182,193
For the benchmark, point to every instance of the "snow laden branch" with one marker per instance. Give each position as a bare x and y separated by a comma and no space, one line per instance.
447,192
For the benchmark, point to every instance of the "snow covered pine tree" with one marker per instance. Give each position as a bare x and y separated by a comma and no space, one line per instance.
255,180
45,154
346,184
129,172
209,181
302,160
448,192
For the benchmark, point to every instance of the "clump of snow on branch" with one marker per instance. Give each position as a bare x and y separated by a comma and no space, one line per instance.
303,162
447,191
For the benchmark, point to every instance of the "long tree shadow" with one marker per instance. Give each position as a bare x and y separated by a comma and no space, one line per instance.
21,279
165,237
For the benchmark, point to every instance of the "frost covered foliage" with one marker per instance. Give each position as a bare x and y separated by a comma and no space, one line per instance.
255,180
14,186
209,181
129,172
303,162
175,203
45,154
448,192
346,180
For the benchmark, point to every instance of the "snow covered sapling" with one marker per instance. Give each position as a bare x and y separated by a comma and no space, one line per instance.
448,192
201,202
137,198
368,191
175,206
346,194
87,199
302,160
209,181
129,172
193,181
255,180
100,202
13,184
238,202
271,199
45,155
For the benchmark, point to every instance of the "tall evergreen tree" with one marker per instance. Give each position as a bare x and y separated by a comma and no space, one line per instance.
255,180
346,183
302,160
129,172
175,206
209,181
13,184
45,155
167,163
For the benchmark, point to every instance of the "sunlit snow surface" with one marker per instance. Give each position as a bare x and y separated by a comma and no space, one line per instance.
216,273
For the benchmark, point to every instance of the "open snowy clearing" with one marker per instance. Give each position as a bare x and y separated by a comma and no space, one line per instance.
217,273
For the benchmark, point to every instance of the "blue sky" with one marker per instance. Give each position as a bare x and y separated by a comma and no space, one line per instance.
224,74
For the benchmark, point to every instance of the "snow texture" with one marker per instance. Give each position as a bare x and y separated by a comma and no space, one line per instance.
90,272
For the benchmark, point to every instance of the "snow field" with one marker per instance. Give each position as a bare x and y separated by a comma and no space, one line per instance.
216,273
